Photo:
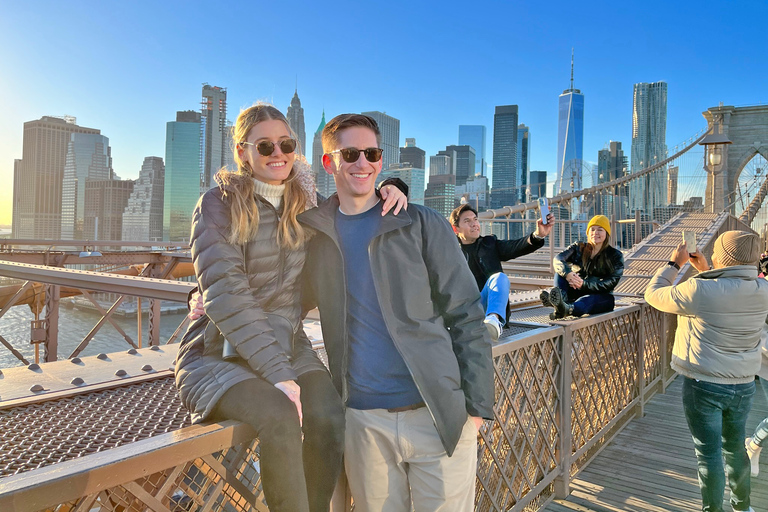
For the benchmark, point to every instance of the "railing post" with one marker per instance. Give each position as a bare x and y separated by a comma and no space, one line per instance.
665,341
562,484
638,226
154,309
640,408
52,294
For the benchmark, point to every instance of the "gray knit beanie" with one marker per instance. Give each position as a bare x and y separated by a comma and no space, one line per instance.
737,248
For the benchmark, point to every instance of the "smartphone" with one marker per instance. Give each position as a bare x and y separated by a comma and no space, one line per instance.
689,237
544,209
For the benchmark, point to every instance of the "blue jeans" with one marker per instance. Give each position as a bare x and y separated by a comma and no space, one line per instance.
717,417
495,295
585,303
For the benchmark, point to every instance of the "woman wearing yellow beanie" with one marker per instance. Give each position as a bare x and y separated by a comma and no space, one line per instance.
585,274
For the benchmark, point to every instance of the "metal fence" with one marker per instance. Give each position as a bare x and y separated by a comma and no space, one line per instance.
562,392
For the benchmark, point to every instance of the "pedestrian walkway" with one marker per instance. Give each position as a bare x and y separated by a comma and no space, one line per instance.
651,466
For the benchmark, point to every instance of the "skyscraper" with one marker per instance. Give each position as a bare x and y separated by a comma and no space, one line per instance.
413,155
442,163
570,139
89,157
390,136
649,146
523,159
672,184
504,192
105,201
612,165
411,176
182,164
323,181
441,193
537,186
463,162
38,177
215,137
474,135
296,121
143,214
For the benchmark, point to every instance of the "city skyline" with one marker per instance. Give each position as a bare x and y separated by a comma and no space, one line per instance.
153,65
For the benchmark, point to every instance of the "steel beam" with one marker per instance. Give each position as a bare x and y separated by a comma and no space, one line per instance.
146,287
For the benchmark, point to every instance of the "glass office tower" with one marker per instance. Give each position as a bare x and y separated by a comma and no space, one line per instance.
182,174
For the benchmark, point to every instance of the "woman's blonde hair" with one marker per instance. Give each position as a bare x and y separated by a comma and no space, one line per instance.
237,187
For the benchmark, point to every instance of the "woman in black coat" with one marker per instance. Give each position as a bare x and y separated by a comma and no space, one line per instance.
585,274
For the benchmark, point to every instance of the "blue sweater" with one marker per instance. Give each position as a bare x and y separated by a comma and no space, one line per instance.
378,377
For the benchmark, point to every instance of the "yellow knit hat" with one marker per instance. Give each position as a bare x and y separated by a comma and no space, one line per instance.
602,221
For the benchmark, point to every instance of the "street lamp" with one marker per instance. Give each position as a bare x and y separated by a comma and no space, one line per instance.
713,157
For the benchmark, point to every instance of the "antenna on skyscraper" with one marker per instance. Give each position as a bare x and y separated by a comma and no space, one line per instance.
571,68
297,83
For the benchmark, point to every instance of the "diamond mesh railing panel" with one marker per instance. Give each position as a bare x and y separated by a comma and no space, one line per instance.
517,451
603,376
41,434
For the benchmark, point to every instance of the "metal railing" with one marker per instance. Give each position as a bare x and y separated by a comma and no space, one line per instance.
562,392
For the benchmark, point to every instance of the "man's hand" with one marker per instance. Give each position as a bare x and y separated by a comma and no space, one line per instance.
542,230
195,306
698,261
478,421
680,255
574,280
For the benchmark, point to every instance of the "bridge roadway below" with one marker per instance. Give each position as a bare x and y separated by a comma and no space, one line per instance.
582,421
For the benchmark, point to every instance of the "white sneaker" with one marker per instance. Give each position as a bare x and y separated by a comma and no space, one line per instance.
494,326
754,456
750,509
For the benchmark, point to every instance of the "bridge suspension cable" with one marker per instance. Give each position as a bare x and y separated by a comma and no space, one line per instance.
565,198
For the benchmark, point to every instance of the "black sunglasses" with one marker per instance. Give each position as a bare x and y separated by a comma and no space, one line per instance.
350,155
267,147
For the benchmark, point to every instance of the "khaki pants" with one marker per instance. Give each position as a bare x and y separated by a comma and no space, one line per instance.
395,460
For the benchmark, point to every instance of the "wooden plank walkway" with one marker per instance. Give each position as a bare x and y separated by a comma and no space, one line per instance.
651,465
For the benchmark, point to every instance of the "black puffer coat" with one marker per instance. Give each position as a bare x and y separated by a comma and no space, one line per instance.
240,285
601,274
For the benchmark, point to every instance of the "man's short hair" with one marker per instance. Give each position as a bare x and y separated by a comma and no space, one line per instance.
456,214
343,121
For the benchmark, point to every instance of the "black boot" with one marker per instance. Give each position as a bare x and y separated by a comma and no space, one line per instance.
562,308
544,296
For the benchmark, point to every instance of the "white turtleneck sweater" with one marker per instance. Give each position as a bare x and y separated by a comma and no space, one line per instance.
272,193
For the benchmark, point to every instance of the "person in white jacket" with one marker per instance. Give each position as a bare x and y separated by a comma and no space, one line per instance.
721,312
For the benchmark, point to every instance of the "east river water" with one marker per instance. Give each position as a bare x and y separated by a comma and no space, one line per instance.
74,325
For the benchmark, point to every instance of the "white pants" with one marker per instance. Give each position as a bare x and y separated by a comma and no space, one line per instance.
395,460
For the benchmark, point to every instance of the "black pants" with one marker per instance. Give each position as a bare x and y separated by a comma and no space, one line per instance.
296,476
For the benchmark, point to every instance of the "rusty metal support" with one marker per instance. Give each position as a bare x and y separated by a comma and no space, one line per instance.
96,328
564,451
108,317
52,295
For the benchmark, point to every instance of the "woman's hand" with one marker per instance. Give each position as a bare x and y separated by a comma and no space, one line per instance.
393,196
293,392
195,306
574,280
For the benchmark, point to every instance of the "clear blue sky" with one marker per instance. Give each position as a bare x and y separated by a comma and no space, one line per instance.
127,68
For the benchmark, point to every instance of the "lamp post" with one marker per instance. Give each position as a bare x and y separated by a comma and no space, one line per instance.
714,144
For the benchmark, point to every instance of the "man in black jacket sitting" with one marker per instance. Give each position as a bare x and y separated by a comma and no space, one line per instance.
484,255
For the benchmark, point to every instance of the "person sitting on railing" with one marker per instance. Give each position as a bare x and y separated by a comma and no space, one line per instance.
720,317
484,255
248,358
585,274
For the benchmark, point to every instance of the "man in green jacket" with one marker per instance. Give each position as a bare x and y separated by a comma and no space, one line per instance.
721,313
403,329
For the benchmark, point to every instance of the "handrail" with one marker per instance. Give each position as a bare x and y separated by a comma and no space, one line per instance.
90,243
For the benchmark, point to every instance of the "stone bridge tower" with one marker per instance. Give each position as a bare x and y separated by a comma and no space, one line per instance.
747,129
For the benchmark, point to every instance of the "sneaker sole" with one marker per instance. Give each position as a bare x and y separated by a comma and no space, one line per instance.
544,298
493,331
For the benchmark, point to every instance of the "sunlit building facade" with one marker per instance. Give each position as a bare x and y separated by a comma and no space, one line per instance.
505,191
649,145
390,137
474,135
295,116
89,157
38,177
215,130
182,171
143,215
